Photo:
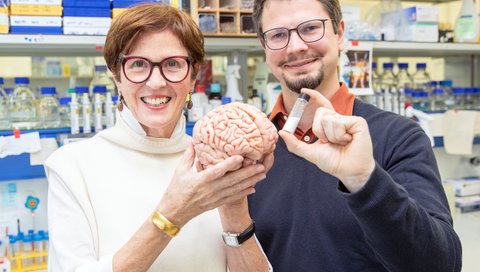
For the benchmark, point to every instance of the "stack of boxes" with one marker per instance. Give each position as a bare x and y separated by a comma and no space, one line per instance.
467,193
118,6
4,24
421,24
36,16
86,17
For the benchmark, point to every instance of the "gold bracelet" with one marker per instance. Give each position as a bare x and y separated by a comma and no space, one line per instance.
164,224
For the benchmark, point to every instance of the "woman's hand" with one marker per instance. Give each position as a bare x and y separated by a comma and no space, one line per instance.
344,147
191,193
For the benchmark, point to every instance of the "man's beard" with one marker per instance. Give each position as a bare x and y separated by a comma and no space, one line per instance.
308,82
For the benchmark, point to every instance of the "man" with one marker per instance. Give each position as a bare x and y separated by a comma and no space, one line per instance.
354,188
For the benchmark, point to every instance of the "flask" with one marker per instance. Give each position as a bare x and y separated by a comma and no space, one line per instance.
23,106
101,78
4,108
215,97
64,111
466,25
387,84
49,108
421,79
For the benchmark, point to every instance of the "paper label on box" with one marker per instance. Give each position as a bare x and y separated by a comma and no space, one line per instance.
37,2
35,20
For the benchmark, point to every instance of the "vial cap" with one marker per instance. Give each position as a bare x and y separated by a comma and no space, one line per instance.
421,66
226,100
100,89
81,89
47,90
100,68
215,88
446,83
388,65
200,88
65,100
22,80
437,91
9,91
304,96
403,65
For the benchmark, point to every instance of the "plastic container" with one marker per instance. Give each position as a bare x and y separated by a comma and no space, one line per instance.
227,23
74,115
199,104
86,114
4,108
467,25
215,97
27,249
101,78
49,108
38,248
207,22
23,106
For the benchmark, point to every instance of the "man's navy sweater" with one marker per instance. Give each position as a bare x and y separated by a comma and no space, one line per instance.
399,221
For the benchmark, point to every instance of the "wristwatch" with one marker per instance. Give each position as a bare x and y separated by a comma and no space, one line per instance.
237,239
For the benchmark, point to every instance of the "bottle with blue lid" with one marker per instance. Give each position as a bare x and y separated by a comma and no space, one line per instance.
49,108
438,100
215,97
23,106
101,78
64,111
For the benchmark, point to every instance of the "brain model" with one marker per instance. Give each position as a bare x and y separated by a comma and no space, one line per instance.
233,129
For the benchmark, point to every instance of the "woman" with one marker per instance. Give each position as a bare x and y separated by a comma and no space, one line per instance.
116,201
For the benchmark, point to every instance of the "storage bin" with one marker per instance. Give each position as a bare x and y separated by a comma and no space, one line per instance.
227,23
207,22
246,24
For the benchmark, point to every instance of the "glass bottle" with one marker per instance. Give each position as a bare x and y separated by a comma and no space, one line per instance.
438,100
404,81
388,82
459,98
446,86
421,79
23,106
101,78
49,108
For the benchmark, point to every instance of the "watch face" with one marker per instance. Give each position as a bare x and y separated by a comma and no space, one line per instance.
230,240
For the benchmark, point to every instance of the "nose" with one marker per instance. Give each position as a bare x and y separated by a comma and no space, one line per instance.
296,43
156,79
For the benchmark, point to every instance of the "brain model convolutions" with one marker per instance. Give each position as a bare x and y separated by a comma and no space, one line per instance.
233,129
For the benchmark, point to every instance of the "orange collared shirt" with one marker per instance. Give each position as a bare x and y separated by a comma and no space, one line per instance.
342,102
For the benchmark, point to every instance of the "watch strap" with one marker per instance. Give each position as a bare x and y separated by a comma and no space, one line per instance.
239,237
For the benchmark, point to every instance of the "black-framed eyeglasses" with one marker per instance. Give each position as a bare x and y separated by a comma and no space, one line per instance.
309,31
139,69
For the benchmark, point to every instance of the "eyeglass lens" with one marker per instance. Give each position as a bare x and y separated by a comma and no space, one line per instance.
173,69
309,31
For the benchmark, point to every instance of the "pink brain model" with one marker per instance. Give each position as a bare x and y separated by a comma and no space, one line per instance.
233,129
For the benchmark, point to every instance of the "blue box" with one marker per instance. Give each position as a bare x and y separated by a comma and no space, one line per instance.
87,3
129,3
86,12
36,30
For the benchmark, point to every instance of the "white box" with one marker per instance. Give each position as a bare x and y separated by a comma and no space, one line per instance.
35,21
418,32
466,186
85,30
37,2
421,14
73,21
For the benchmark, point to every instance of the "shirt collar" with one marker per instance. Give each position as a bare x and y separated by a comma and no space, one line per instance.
342,102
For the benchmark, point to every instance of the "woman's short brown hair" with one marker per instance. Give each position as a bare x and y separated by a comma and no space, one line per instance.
152,17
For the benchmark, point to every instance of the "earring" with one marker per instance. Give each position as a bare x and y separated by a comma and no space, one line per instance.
120,103
189,101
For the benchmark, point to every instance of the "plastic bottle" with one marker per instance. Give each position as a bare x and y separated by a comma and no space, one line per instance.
86,114
232,75
200,102
4,108
49,108
388,85
109,111
74,115
23,106
80,90
64,111
377,90
467,26
215,97
101,78
97,112
438,100
404,81
27,250
421,79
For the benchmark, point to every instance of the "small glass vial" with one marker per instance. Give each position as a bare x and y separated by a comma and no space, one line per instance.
296,113
38,248
27,250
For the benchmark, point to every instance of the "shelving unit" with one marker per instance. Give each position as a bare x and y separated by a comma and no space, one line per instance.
224,17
